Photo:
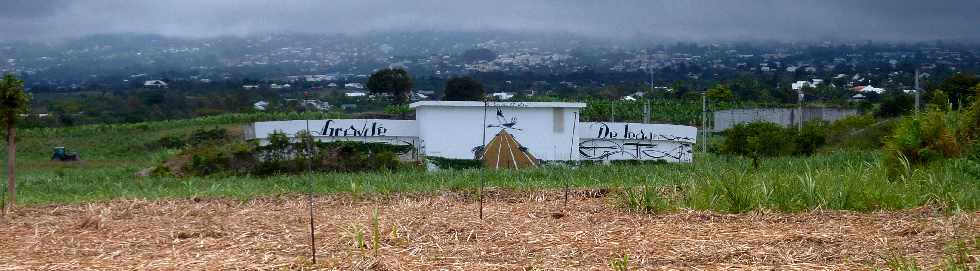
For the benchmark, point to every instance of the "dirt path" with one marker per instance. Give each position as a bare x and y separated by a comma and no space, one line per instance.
521,231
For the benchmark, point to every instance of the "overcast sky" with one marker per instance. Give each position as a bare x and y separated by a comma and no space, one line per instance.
894,20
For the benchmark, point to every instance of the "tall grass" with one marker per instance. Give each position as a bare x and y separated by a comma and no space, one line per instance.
846,180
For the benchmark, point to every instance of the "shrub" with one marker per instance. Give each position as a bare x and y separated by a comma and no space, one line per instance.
447,163
812,137
841,130
168,142
207,160
196,138
284,156
970,120
207,136
920,140
759,139
895,104
401,111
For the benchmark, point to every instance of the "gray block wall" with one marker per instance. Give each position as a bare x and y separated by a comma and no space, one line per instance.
786,117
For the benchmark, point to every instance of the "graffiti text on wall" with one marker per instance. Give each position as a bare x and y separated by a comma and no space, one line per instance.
366,130
600,149
605,132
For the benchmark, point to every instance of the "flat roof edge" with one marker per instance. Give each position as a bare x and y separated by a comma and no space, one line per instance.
496,104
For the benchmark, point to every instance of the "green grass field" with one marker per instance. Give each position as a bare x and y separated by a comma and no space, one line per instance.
848,180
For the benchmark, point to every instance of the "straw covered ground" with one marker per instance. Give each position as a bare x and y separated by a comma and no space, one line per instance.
521,230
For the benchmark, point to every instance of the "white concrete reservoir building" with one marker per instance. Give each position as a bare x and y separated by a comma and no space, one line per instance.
453,129
549,131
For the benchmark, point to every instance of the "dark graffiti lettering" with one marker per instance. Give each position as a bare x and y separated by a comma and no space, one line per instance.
601,149
605,132
374,129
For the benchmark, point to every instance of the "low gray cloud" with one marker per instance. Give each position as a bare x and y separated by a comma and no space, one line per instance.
898,20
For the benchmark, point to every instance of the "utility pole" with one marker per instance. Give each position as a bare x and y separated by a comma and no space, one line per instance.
800,124
917,91
704,121
646,101
646,111
612,110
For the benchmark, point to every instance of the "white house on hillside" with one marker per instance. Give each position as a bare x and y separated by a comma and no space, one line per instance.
155,84
503,96
868,89
260,105
278,86
355,94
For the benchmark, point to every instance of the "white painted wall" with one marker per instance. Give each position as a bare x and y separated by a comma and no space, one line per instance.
636,141
401,132
454,129
550,131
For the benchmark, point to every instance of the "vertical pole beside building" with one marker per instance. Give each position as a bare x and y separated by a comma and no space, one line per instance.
571,153
612,110
704,122
482,155
646,101
800,124
646,111
917,92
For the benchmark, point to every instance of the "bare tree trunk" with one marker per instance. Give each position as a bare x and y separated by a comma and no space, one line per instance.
11,153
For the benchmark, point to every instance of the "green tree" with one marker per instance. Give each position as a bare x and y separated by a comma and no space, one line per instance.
463,89
895,103
13,101
939,99
720,93
971,121
959,88
759,139
396,82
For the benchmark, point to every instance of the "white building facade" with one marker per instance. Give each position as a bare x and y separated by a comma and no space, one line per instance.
549,131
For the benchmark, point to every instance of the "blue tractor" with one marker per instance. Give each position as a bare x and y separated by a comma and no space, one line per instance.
62,154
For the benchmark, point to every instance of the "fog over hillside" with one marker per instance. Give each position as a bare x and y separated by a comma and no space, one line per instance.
696,20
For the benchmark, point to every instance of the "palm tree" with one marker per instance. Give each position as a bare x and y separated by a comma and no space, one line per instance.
13,101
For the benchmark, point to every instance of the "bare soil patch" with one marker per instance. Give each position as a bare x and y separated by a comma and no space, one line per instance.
521,230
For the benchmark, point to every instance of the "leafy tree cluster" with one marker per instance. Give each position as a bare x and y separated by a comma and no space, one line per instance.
142,105
13,101
765,139
463,89
940,132
285,156
394,82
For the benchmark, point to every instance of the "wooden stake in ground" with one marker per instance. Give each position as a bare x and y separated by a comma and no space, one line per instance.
571,157
309,173
483,155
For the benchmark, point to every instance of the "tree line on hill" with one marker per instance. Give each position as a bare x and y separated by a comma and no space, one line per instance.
395,86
